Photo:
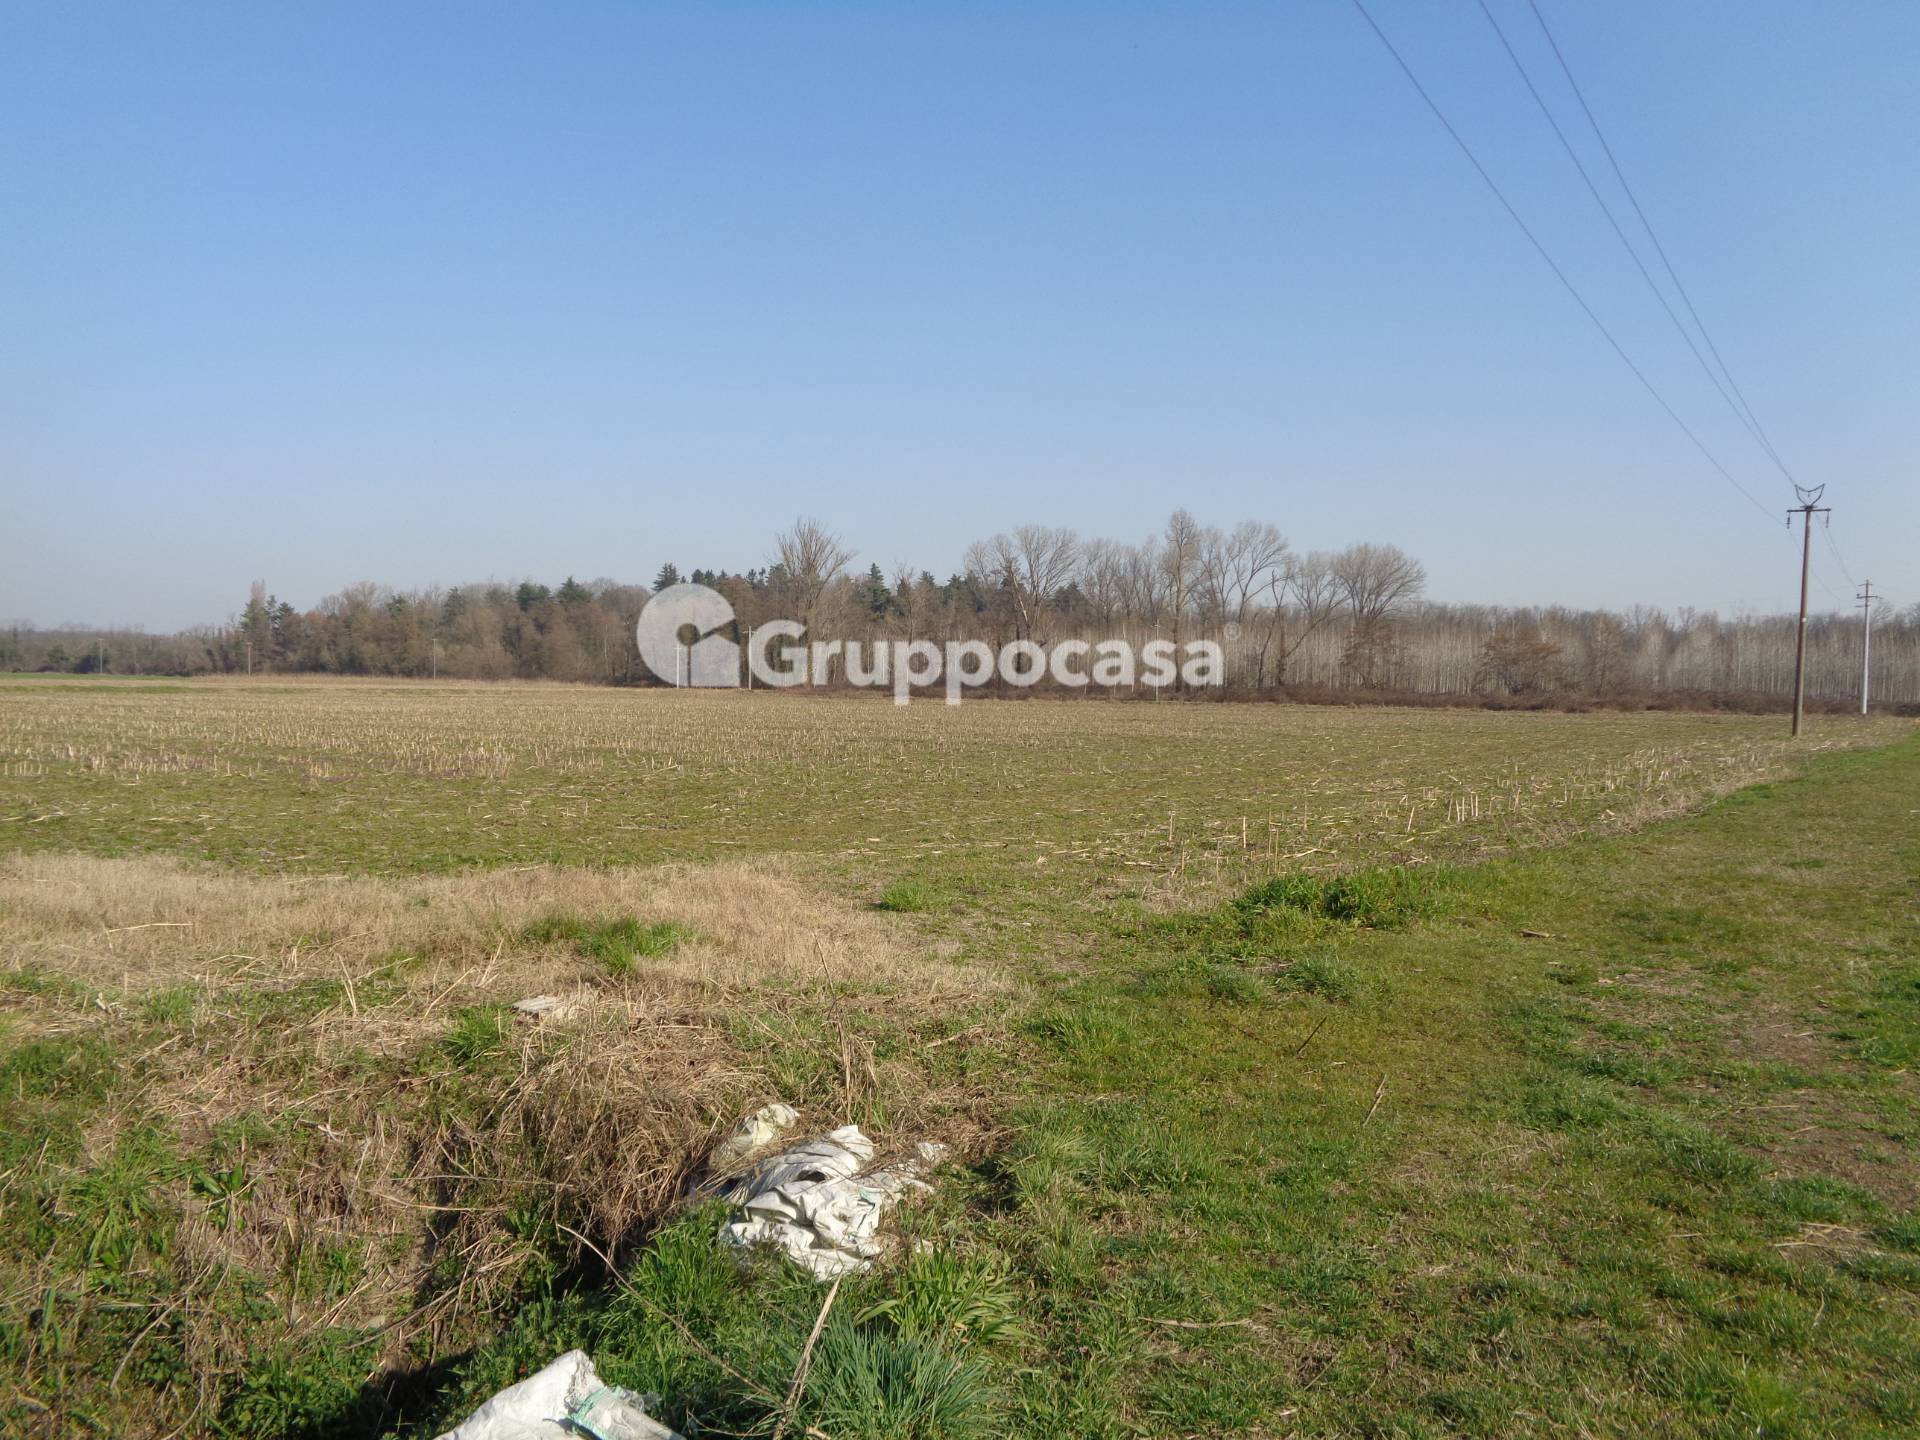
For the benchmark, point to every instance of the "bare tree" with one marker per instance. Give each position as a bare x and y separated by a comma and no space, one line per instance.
1180,560
810,557
1030,566
1102,579
1143,581
904,595
1518,660
1606,653
1238,566
1374,580
1307,582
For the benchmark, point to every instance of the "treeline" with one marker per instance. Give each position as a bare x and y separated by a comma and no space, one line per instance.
1353,620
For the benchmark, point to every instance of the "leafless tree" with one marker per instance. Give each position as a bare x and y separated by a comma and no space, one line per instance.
1518,660
1292,611
811,558
1237,566
1102,579
1375,580
1180,560
1143,581
1606,651
905,596
1307,584
1030,566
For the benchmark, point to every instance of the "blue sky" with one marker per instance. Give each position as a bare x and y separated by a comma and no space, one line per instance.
431,293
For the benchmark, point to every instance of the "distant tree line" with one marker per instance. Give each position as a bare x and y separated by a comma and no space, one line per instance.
1352,620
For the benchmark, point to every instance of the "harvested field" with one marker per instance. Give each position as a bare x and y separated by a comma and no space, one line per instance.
417,777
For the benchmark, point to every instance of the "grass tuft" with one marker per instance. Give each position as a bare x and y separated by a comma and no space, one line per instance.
944,1296
1322,973
478,1034
1378,898
870,1383
911,897
615,945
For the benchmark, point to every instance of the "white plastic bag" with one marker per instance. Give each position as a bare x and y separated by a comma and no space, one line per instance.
565,1401
815,1205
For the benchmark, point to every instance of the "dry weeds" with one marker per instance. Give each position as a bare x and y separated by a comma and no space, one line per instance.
303,1036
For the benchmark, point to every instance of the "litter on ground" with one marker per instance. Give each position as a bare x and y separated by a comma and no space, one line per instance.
753,1134
819,1205
565,1401
546,1007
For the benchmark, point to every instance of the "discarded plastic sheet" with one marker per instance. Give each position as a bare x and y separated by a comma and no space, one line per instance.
818,1205
565,1401
546,1007
754,1134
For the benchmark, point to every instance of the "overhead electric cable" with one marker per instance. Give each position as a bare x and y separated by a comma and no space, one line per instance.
1828,532
1626,244
1659,249
1553,265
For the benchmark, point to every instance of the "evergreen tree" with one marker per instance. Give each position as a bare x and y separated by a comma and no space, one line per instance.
877,593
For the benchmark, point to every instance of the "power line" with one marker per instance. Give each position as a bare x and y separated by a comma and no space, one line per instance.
1620,234
1552,265
1828,532
1759,431
1745,409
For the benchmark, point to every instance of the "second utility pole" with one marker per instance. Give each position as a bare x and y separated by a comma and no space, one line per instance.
1808,507
1866,640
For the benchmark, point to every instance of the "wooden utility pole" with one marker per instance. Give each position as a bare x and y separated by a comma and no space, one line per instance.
1865,598
1808,507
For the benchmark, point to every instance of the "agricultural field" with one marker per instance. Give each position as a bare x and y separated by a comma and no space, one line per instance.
392,778
1303,1070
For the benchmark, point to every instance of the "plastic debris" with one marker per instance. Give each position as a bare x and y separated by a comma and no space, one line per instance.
817,1203
565,1401
546,1007
754,1134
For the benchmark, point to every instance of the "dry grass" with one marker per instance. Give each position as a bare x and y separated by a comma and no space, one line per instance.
339,1054
151,920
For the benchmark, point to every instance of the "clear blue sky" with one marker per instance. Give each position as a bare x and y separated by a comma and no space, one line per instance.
430,293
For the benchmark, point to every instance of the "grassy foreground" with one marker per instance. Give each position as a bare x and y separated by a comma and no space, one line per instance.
1615,1138
1618,1139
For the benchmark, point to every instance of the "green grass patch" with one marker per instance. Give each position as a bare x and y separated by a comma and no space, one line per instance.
617,945
1377,898
478,1036
912,897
